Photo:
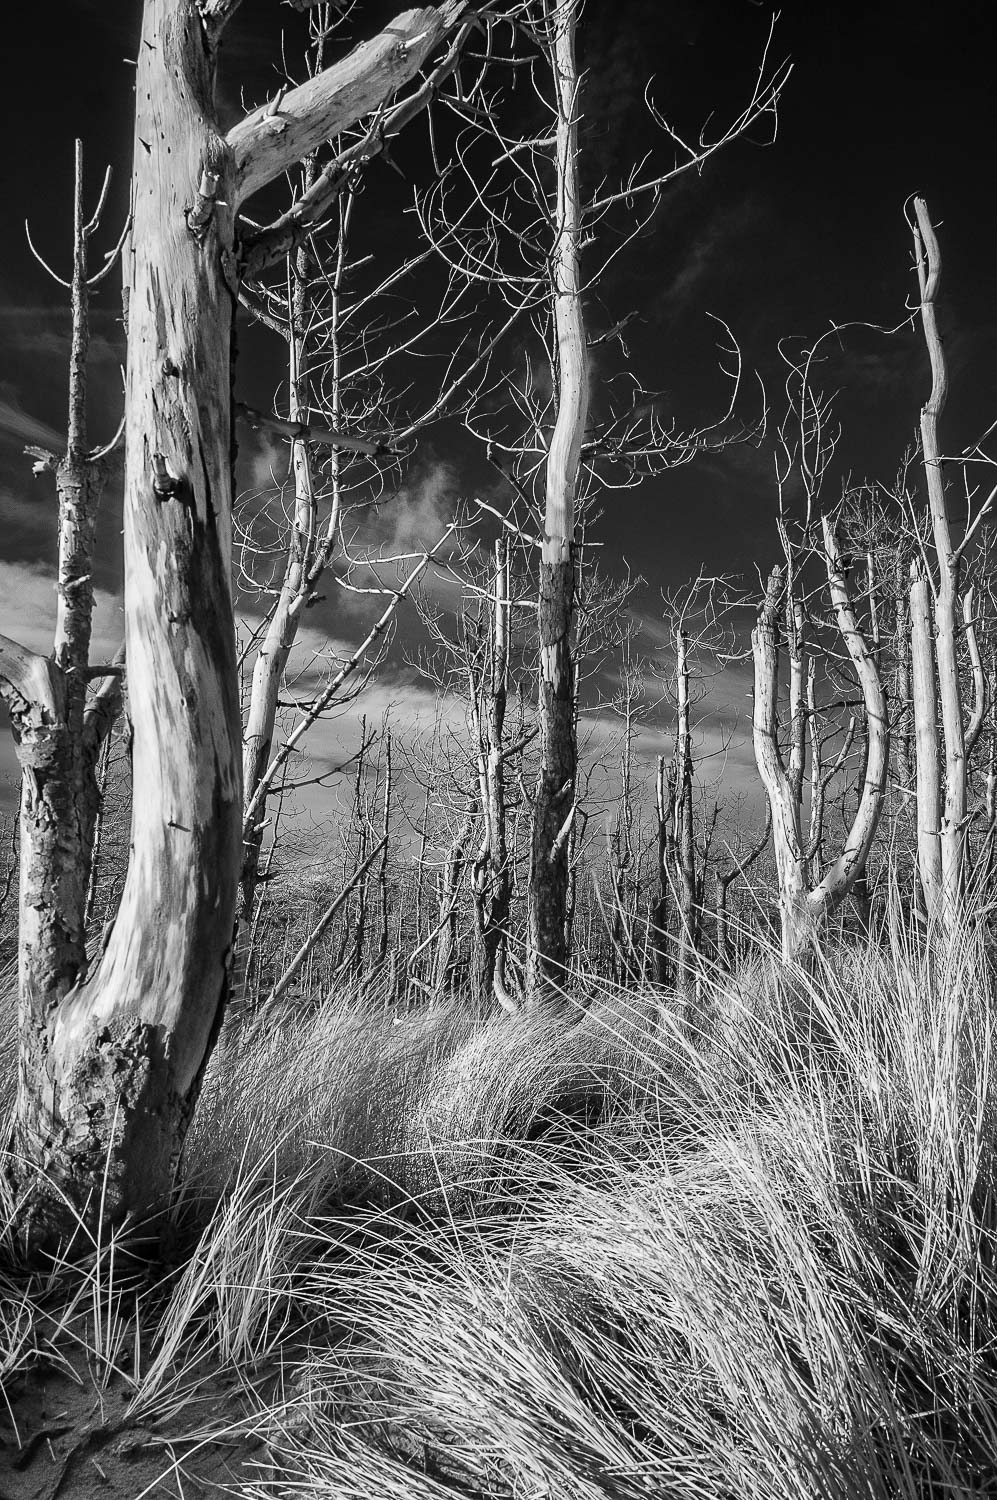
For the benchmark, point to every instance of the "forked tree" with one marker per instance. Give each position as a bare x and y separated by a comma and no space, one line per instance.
111,1063
807,896
811,886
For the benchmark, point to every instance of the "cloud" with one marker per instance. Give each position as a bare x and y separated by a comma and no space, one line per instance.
19,426
709,248
28,609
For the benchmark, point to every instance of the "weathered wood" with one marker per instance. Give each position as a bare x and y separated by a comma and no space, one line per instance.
924,692
790,855
109,1090
840,878
803,903
952,832
110,1075
554,804
684,865
287,129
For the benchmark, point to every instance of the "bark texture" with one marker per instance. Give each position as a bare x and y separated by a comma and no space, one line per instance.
110,1075
554,804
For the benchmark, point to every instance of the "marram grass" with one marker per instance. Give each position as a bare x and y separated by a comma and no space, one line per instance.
745,1254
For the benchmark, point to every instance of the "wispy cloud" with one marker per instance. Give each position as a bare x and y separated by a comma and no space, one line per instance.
21,427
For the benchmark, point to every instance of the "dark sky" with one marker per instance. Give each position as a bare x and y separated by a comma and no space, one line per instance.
886,99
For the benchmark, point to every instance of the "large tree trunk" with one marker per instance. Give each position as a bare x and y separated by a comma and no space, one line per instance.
554,805
110,1076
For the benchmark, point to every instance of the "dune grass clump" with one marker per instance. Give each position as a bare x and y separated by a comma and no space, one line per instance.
744,1250
790,1297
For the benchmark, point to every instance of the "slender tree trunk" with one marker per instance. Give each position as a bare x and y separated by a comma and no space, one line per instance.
446,943
952,828
928,771
660,910
684,865
723,882
554,804
492,879
905,759
382,869
281,633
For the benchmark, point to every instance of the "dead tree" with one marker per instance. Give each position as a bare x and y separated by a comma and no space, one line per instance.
492,883
554,798
804,899
348,432
686,827
723,879
470,661
940,615
545,439
62,709
623,856
111,1064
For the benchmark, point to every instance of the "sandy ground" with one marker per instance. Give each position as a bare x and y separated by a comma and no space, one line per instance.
64,1436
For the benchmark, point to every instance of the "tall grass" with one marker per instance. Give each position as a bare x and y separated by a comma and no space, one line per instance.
743,1252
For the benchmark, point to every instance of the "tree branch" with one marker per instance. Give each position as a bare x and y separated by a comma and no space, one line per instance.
281,133
979,676
309,432
26,678
266,247
215,16
841,875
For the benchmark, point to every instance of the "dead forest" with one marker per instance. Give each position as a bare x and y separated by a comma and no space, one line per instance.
399,932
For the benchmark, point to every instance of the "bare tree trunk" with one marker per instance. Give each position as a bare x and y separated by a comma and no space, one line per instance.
928,772
109,1087
491,877
446,943
905,759
790,855
382,869
952,828
724,879
554,804
802,903
660,911
684,865
109,1076
281,633
59,731
621,854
